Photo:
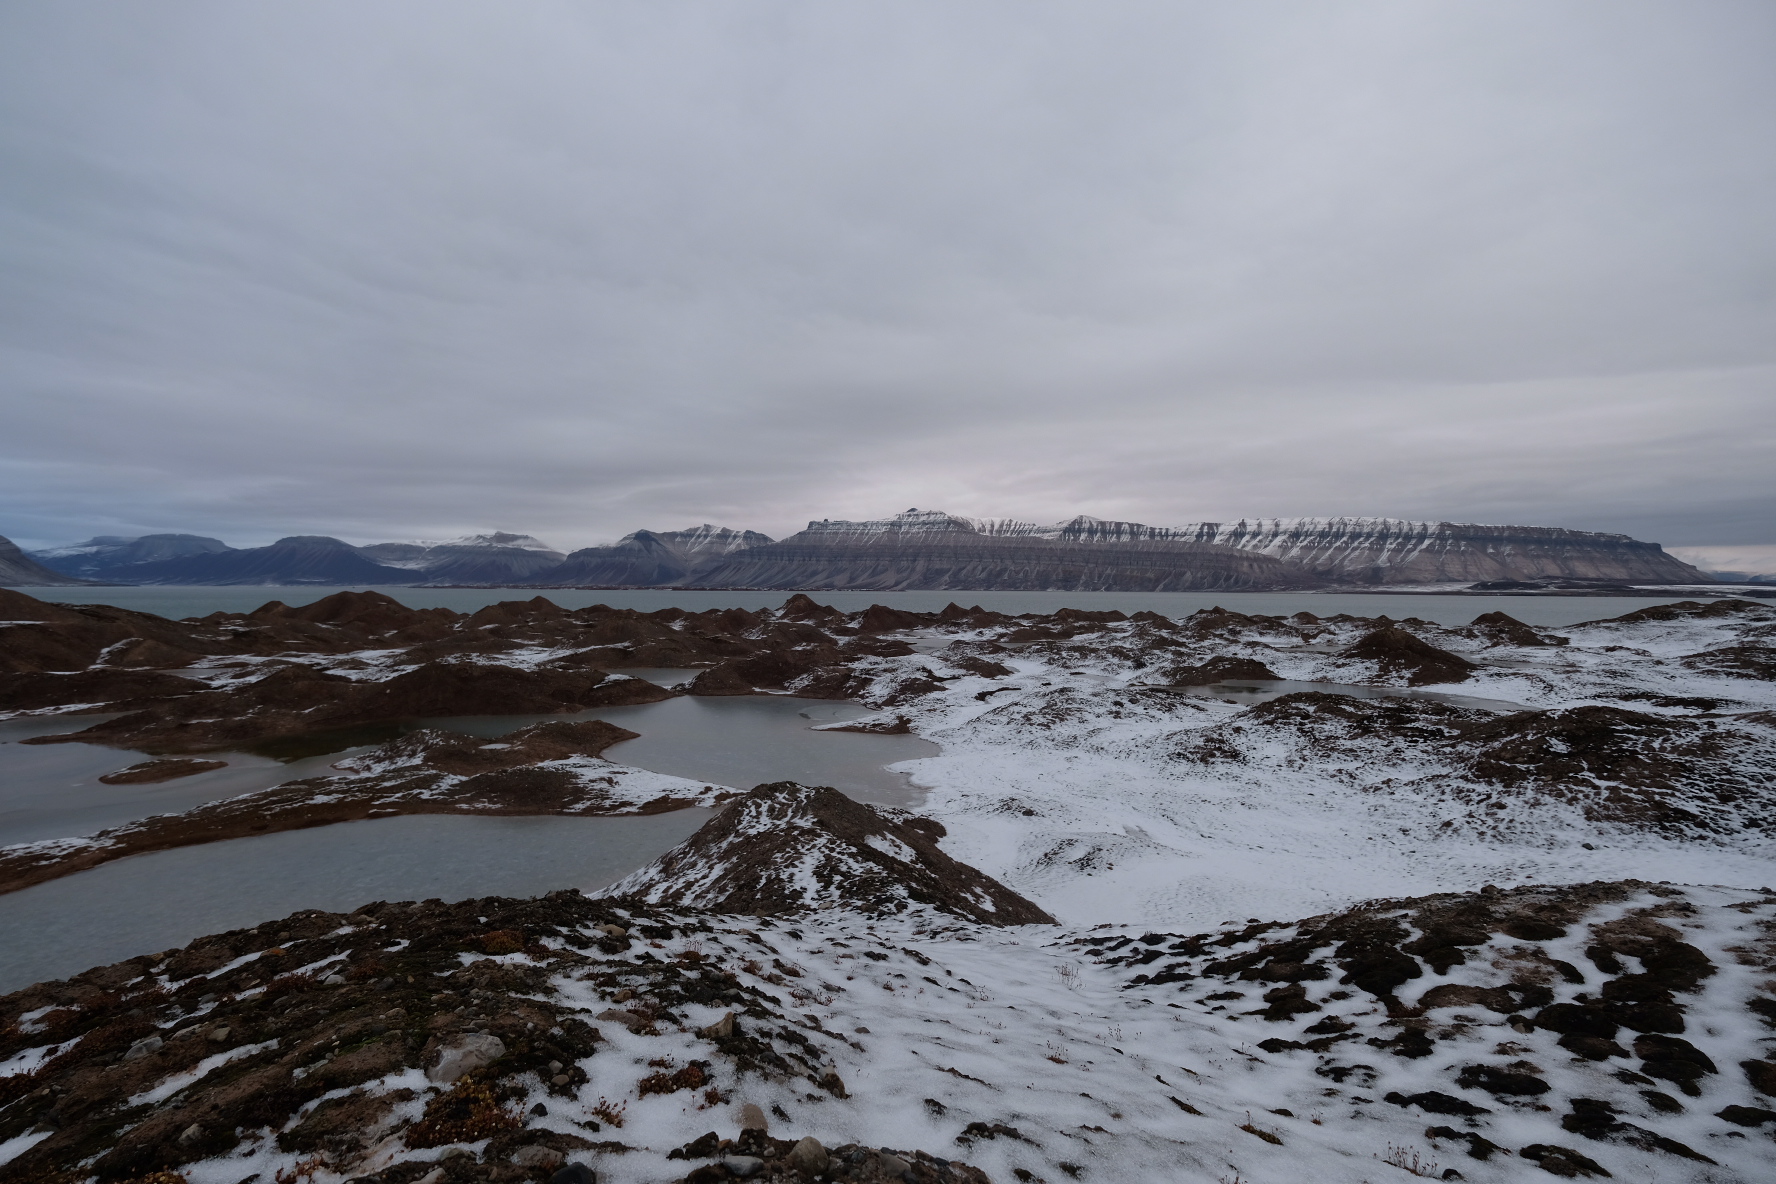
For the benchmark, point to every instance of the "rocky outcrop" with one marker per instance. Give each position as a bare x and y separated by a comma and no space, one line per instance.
19,570
792,848
1507,959
1395,651
1217,670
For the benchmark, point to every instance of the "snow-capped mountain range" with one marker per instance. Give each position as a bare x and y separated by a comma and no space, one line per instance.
916,549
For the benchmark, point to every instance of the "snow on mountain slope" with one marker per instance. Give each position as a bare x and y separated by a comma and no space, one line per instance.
1347,550
1386,550
19,570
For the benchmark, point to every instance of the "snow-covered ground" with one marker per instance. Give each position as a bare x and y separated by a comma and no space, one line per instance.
1038,1055
1065,781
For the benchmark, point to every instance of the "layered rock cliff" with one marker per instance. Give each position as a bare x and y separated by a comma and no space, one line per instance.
933,550
1391,551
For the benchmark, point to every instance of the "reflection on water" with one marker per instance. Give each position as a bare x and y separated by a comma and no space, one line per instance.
52,791
1247,691
152,902
746,740
149,902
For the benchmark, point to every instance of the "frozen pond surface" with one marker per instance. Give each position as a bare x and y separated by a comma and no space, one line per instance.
1246,692
151,902
1549,611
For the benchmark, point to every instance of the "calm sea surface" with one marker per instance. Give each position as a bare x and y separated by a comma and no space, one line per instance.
1550,611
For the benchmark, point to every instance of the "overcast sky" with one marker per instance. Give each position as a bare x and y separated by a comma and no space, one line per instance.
402,270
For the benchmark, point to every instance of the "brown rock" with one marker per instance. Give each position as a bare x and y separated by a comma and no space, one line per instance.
150,772
1398,652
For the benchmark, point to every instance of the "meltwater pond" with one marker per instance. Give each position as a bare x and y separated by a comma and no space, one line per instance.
1246,692
151,902
746,740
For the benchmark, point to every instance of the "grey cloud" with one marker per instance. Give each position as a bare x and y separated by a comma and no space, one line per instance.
416,269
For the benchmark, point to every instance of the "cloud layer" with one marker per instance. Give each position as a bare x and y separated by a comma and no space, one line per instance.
413,269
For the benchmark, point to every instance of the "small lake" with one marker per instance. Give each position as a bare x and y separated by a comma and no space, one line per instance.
1547,611
153,902
52,791
150,902
746,740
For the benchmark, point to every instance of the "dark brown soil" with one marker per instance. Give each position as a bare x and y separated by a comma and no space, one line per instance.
151,772
761,852
297,700
1398,652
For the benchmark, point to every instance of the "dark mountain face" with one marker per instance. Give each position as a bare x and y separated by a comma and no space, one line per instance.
652,558
19,570
497,558
953,554
299,559
110,556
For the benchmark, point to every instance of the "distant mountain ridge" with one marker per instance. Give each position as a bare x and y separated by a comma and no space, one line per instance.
20,570
495,558
918,549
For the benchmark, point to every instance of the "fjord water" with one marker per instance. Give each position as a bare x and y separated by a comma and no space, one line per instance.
1545,611
151,902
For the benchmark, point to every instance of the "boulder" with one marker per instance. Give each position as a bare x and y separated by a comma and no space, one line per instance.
464,1054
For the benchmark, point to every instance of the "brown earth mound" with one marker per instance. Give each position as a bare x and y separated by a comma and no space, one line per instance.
1399,652
152,772
786,848
1222,669
1736,661
299,701
1500,629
